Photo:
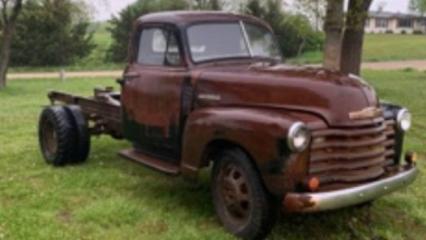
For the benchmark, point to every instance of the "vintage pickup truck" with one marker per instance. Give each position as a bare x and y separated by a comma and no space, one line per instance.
208,89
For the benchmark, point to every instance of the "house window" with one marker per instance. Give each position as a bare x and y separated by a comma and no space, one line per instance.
382,23
405,23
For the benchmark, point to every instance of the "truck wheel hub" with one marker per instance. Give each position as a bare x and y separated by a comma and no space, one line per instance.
235,192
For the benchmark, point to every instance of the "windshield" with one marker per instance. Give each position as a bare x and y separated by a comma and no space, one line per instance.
211,41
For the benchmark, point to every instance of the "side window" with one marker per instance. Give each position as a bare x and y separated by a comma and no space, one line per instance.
158,47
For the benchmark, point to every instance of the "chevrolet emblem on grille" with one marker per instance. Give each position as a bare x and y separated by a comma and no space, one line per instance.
366,113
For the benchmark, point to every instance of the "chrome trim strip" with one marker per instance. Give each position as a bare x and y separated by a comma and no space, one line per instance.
315,202
246,38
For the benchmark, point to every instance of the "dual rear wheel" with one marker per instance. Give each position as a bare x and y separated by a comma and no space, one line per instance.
64,137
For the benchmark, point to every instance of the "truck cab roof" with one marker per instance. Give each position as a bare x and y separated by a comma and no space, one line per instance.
185,18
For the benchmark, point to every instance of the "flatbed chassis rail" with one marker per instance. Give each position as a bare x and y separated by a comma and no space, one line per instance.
102,111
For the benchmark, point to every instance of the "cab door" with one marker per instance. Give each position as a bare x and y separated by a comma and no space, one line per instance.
155,86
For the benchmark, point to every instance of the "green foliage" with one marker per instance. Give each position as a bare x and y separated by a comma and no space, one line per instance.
122,25
418,6
295,33
207,4
51,33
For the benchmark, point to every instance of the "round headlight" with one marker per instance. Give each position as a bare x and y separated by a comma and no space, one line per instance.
299,137
404,120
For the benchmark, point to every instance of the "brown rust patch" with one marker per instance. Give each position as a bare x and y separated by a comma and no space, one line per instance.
297,203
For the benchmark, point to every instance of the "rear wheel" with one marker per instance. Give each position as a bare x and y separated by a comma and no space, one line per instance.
242,203
63,135
56,135
81,149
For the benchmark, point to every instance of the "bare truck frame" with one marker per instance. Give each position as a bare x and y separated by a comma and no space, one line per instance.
103,110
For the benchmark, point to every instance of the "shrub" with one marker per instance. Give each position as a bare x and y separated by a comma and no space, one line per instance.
295,36
51,33
294,32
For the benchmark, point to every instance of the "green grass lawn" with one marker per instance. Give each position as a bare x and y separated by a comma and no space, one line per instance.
382,47
111,198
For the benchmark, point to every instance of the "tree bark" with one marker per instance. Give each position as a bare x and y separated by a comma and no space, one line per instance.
353,37
333,27
7,35
9,24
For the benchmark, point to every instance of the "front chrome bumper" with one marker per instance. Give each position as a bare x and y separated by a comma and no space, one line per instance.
316,202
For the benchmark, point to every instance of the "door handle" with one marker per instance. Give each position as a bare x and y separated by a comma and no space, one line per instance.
127,77
121,81
131,75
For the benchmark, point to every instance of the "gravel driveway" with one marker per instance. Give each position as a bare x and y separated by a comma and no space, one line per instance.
394,65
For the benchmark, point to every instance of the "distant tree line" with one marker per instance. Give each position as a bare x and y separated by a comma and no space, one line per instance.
57,32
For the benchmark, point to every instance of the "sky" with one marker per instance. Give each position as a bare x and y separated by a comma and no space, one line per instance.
104,9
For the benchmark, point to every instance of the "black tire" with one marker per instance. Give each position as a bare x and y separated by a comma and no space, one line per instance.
56,135
242,203
81,150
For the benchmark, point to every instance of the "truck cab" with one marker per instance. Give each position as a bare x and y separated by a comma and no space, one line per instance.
209,89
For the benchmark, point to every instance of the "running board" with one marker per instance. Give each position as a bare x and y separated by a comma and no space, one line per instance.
152,162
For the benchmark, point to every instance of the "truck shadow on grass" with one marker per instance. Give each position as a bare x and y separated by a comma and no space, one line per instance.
176,196
189,204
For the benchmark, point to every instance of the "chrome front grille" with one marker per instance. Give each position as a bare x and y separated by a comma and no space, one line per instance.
355,155
390,142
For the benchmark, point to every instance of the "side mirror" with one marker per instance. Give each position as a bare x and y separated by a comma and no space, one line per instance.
120,81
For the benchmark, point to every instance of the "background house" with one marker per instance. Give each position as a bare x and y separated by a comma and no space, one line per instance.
399,23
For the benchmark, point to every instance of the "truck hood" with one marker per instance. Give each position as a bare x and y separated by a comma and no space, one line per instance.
330,95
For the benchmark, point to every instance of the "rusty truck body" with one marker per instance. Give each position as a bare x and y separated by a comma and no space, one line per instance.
209,88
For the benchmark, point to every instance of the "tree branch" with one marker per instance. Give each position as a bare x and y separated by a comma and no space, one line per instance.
4,11
16,10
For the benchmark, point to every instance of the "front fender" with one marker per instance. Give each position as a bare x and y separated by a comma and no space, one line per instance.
260,132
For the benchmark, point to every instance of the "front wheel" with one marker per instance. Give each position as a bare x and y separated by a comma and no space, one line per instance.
242,203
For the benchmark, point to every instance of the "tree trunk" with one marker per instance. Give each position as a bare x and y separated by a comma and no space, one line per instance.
353,38
9,23
333,28
6,42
